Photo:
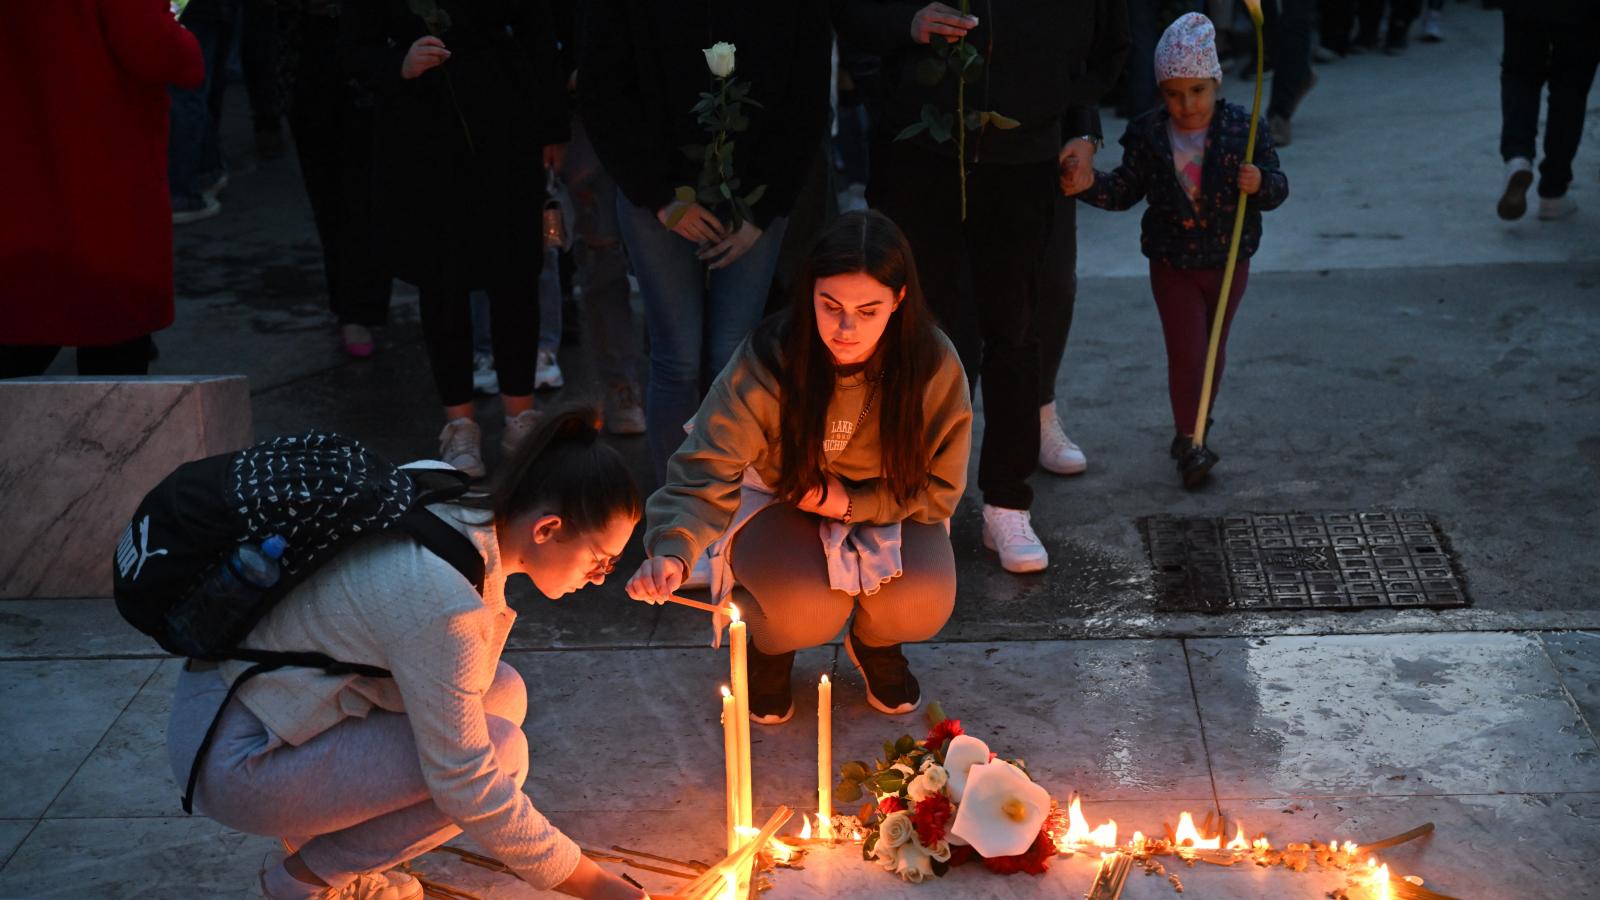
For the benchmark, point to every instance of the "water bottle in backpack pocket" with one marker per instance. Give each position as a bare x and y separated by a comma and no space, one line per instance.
235,587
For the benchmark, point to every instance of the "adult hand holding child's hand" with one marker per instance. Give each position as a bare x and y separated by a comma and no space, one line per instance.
657,578
1249,178
1077,166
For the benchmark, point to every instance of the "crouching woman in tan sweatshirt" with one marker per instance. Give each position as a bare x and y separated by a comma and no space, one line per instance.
359,774
820,472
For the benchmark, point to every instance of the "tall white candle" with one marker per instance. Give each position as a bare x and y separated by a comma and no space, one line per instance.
825,757
738,661
730,753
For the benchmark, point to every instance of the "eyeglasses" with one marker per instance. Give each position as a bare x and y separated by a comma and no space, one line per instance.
603,565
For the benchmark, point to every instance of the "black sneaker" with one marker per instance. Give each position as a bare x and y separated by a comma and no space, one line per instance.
771,691
1195,467
1181,443
891,688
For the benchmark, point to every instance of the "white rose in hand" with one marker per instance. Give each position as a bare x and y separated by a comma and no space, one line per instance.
719,58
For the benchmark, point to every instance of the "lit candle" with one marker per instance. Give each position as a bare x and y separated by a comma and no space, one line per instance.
739,670
730,752
825,757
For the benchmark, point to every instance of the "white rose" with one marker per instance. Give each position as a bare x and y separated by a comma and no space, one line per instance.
896,829
940,851
929,784
914,864
719,58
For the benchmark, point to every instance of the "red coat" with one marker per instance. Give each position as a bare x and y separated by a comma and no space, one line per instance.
85,217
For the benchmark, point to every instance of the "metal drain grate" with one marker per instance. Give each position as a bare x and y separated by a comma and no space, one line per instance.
1338,560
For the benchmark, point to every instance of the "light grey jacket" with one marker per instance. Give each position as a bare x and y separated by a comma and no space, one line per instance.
387,602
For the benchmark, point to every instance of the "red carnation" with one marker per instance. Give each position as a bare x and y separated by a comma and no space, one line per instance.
944,731
931,817
891,804
1035,861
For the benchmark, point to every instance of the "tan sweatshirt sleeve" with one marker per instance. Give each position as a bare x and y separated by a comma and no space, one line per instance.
442,669
948,401
736,426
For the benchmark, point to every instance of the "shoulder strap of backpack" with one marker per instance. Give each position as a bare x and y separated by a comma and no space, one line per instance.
444,542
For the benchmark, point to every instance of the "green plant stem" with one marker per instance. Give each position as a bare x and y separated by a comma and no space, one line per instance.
450,85
961,118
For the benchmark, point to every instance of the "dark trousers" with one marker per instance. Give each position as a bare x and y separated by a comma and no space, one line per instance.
127,358
1003,239
259,50
1564,56
1186,299
1058,294
513,328
333,137
1289,37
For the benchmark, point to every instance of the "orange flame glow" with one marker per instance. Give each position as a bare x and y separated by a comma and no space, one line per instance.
1239,842
1261,843
1381,886
735,613
1079,834
1189,836
805,830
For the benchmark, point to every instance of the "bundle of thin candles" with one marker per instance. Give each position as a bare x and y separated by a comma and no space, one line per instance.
713,882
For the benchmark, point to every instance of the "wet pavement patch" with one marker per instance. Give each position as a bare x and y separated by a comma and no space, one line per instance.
1287,561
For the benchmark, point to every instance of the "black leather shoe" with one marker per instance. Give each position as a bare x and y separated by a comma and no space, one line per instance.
891,688
1181,443
771,689
1195,467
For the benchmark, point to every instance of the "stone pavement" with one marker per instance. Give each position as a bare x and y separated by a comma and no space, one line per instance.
1399,348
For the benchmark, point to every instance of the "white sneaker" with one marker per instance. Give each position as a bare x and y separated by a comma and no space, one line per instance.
518,428
1514,200
1432,32
1552,208
484,379
461,446
548,373
1010,533
390,885
1057,452
623,413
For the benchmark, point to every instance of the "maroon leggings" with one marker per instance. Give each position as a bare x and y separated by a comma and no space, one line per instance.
1187,301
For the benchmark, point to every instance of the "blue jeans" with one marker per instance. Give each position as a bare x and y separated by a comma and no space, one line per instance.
610,336
194,150
695,319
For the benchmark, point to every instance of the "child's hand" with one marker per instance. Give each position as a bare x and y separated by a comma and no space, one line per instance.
1249,178
1075,177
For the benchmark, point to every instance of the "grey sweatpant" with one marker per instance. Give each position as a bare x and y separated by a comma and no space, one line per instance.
350,800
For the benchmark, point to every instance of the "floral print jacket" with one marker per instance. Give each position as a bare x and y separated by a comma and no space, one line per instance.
1176,231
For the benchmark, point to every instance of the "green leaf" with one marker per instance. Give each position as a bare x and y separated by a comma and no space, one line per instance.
935,713
943,128
696,152
869,845
855,769
755,195
727,193
888,755
709,196
975,120
1004,123
848,791
929,71
972,70
905,745
911,131
683,194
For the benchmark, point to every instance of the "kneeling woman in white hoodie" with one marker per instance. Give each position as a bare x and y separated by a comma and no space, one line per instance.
358,774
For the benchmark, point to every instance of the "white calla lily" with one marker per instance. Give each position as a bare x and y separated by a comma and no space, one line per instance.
964,753
1001,811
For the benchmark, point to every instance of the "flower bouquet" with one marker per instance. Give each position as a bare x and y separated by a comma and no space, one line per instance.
947,800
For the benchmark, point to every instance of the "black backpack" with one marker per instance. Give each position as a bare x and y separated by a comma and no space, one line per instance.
320,492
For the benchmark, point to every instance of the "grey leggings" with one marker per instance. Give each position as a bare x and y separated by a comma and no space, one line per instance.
783,583
350,800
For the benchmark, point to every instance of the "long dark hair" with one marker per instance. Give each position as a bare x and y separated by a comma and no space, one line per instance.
788,344
564,468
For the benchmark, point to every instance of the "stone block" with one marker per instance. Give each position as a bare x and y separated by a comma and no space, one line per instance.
77,455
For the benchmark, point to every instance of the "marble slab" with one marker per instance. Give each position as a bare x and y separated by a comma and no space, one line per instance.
69,629
12,831
127,774
77,455
133,859
1389,715
52,716
1576,655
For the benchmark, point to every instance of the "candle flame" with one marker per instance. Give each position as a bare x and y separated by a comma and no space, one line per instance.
1137,841
805,830
1189,836
734,613
824,828
824,679
726,692
1079,834
778,850
1382,886
1351,848
1261,843
1239,842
